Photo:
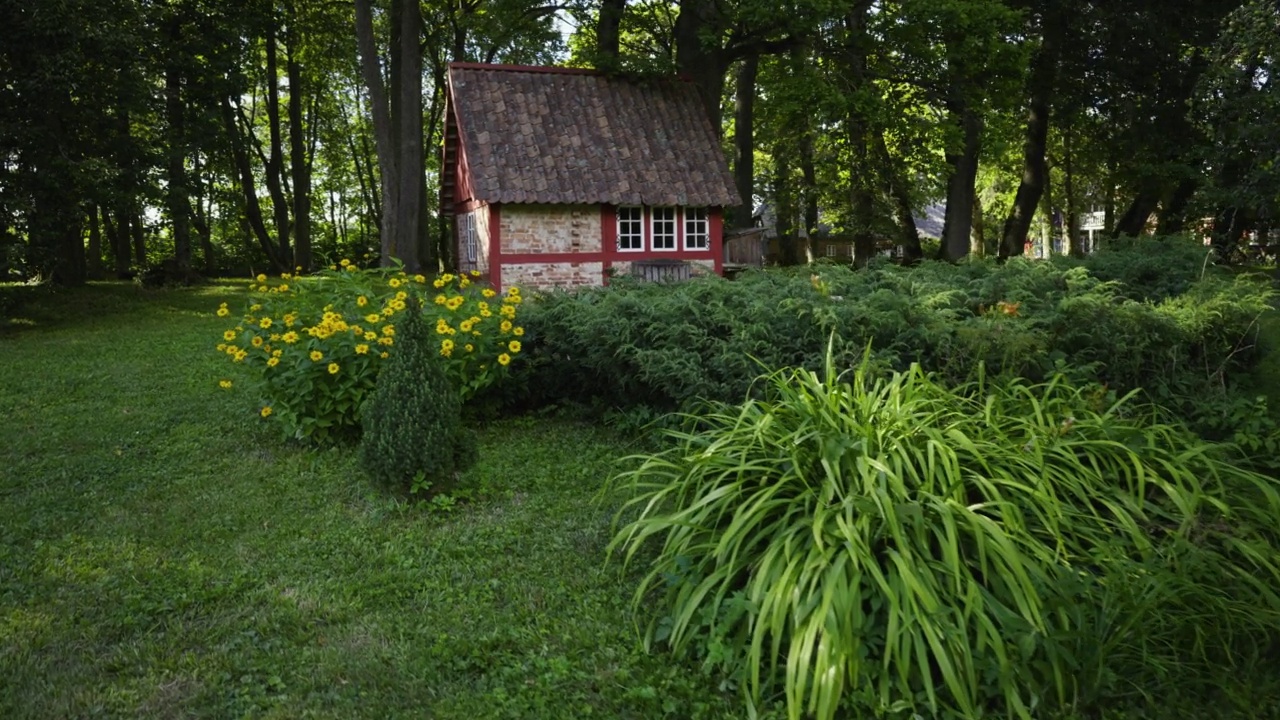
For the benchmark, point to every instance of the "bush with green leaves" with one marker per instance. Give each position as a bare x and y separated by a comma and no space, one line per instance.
413,438
312,346
874,546
662,346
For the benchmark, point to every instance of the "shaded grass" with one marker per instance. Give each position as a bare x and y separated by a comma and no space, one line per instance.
164,554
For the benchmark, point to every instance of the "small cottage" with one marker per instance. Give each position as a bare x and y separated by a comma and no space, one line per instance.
561,177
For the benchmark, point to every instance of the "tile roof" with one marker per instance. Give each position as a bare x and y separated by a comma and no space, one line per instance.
555,135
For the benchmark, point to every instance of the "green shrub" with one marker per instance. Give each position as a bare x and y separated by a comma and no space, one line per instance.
662,346
890,546
1151,268
413,436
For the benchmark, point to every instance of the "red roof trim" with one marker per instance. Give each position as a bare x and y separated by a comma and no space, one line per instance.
553,69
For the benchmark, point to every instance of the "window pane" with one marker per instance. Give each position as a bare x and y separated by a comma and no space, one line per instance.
630,228
696,230
664,228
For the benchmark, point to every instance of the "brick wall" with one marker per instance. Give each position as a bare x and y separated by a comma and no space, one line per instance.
551,275
550,228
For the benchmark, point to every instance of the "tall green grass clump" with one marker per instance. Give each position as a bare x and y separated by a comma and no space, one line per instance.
883,546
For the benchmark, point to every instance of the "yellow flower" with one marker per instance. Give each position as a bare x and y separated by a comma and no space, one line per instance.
274,337
384,355
469,347
388,311
518,332
362,301
362,349
402,295
447,277
263,288
240,356
264,323
440,299
389,330
223,312
447,344
437,283
283,288
261,278
370,335
344,262
256,341
266,411
232,349
507,311
465,325
273,361
464,283
504,359
394,283
475,273
316,356
285,276
224,384
419,279
454,302
351,268
488,292
229,335
505,326
333,368
482,305
398,305
290,337
513,291
514,346
386,341
372,318
276,353
485,313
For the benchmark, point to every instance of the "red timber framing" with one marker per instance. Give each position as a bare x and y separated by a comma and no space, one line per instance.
610,254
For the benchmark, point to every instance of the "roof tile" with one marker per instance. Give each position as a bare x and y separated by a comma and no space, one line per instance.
552,136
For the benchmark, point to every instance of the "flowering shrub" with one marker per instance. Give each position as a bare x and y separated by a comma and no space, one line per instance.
314,345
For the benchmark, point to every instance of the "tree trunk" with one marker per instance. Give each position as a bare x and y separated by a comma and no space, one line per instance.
744,144
93,264
958,223
1134,220
784,210
908,235
809,182
1035,171
608,34
406,78
704,62
274,170
978,236
299,160
248,191
398,137
1074,244
1173,218
139,236
177,193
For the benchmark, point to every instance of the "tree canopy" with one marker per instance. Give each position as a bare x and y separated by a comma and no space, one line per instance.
213,137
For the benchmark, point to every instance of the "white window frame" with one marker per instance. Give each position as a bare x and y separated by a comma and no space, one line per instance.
832,250
670,218
640,238
702,225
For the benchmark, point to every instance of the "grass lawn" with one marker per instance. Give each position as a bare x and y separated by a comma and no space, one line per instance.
164,554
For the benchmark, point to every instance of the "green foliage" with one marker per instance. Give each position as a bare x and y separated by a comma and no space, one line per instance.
1151,268
663,346
313,346
893,547
413,437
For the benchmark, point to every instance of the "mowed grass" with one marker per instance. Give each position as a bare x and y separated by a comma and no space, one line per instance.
163,553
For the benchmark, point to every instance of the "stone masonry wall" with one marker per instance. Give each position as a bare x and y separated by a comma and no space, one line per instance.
550,228
544,276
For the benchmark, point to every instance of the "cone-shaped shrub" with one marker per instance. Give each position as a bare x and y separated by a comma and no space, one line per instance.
413,434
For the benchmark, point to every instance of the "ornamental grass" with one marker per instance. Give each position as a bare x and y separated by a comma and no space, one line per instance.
887,547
